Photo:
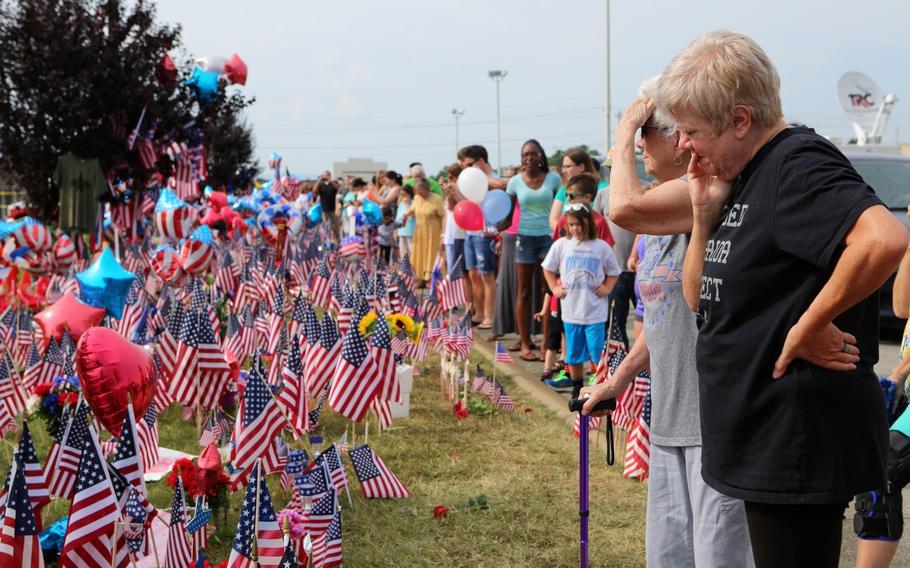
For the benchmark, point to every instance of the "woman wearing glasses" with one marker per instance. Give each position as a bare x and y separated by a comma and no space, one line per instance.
575,162
534,189
688,523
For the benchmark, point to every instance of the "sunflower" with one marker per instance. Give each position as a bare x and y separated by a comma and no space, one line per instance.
367,323
400,323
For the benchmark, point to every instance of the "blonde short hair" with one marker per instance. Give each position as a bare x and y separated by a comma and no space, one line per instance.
660,119
718,71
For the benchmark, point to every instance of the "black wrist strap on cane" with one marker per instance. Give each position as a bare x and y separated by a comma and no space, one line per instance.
610,449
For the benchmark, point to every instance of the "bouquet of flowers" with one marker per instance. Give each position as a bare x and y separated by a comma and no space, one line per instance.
49,400
213,484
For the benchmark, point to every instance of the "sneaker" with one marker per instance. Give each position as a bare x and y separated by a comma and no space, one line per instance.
564,384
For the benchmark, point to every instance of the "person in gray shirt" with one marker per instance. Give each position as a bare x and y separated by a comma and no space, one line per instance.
688,523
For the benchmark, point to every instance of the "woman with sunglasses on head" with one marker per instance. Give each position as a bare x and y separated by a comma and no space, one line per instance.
688,523
534,189
575,162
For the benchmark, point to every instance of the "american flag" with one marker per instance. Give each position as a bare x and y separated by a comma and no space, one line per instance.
432,309
314,481
327,545
24,337
34,368
315,413
179,547
451,289
322,358
9,318
381,342
196,526
147,432
11,391
310,333
638,445
318,518
321,286
480,380
293,396
136,515
269,540
289,558
248,294
184,182
63,474
53,453
346,313
406,273
201,372
227,273
260,422
298,314
276,323
168,347
502,354
337,295
504,400
127,458
355,382
460,337
332,460
34,476
132,311
19,545
94,514
376,480
211,432
296,463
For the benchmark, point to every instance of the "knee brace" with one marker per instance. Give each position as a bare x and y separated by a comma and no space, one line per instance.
898,459
878,515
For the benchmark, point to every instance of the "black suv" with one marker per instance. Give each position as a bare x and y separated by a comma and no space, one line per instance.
889,176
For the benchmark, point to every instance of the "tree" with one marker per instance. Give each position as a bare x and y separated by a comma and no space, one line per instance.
76,76
555,160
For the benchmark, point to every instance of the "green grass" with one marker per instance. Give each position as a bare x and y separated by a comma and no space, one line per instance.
526,464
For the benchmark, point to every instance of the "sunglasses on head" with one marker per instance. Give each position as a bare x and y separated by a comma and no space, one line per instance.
578,207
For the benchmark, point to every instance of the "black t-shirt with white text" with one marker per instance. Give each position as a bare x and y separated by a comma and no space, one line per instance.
814,435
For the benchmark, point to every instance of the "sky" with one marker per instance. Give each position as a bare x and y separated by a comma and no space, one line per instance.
341,79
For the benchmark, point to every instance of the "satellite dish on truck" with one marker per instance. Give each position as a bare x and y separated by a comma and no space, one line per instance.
861,98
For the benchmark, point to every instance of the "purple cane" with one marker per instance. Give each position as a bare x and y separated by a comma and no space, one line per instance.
583,486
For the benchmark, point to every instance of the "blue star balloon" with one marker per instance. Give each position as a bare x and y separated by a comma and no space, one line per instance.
105,284
168,201
203,234
204,84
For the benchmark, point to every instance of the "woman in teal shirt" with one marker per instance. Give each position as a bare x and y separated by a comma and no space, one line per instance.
534,189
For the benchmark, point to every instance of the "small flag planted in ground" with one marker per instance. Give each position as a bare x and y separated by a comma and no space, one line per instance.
502,354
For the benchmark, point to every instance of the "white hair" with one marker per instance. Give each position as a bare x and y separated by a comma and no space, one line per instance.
648,90
418,171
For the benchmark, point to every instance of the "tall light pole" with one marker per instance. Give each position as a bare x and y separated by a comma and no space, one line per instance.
457,112
607,134
497,76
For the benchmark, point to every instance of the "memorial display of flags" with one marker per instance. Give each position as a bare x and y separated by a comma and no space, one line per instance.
19,545
179,548
355,382
34,476
260,420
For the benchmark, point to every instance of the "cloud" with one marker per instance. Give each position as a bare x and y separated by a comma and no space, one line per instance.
348,106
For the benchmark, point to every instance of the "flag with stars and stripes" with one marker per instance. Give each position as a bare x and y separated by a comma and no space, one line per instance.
320,514
269,540
227,273
376,480
136,515
314,481
11,391
406,273
63,475
322,358
321,285
381,342
502,354
179,548
327,545
289,558
316,412
293,396
147,433
297,461
638,442
355,382
260,420
335,467
196,527
94,514
19,545
452,289
32,375
35,481
128,458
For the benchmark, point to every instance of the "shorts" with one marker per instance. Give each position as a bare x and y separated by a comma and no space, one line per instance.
554,331
453,253
584,342
478,254
531,250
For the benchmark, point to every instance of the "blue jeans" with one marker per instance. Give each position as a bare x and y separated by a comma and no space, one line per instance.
478,254
532,250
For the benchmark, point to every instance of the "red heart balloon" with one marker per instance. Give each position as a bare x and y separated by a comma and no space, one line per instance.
112,371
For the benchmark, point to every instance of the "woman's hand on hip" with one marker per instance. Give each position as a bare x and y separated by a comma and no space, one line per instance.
828,347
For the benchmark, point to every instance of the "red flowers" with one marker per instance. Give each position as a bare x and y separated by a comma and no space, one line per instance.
69,397
197,481
440,512
42,389
461,412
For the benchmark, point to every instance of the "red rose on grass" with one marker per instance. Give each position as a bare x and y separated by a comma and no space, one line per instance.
440,512
460,411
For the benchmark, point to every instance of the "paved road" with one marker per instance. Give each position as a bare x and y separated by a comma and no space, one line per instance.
888,359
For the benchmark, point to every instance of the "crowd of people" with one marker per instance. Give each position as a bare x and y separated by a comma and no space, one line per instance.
749,263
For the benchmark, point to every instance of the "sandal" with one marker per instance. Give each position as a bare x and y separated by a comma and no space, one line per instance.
485,325
531,357
514,347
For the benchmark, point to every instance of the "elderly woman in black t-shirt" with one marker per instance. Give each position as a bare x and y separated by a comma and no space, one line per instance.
788,248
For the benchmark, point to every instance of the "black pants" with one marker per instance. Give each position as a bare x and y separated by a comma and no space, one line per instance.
805,536
386,253
622,296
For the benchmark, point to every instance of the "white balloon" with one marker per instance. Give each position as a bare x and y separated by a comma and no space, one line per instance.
214,63
473,184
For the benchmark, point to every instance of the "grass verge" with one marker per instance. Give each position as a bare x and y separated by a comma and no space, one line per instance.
524,463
